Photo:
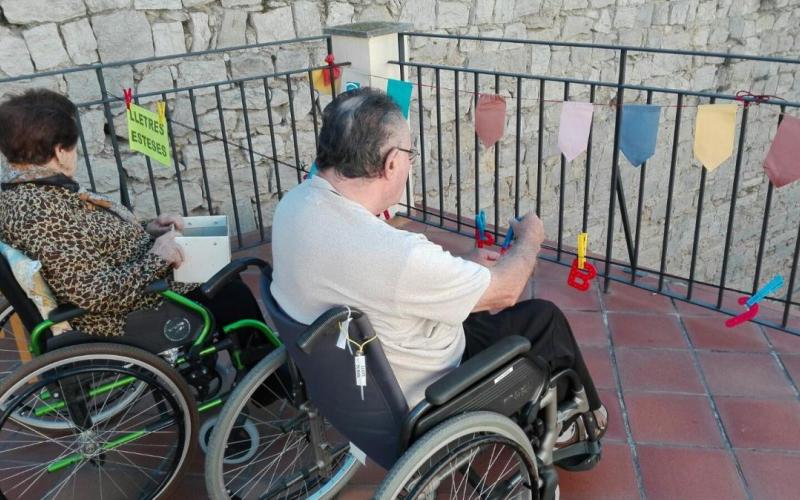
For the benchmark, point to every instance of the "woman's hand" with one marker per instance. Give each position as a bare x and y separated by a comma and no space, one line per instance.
168,249
164,223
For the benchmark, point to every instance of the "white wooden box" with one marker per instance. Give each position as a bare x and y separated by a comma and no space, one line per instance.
206,248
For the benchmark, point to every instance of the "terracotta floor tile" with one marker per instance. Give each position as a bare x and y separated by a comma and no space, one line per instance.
792,364
783,341
598,360
688,474
744,374
567,297
646,330
763,424
550,271
371,474
771,475
611,479
622,297
658,370
356,492
616,427
711,333
454,243
705,295
672,419
588,327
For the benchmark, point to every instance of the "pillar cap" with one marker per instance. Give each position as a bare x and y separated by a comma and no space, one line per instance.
367,29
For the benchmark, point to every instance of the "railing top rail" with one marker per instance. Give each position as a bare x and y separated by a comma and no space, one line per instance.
175,90
628,48
184,55
579,81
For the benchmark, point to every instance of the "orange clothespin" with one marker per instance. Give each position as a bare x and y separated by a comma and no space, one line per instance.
128,93
161,106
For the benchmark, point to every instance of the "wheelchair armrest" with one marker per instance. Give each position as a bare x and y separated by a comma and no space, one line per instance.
65,312
329,318
214,284
476,368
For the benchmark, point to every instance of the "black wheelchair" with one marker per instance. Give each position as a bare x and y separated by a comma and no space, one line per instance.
114,417
298,426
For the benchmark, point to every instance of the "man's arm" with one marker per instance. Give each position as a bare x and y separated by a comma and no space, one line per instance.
511,273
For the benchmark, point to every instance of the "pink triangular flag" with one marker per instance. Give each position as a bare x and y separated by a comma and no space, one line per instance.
490,118
573,132
783,159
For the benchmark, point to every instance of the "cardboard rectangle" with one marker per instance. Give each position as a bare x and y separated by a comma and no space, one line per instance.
206,248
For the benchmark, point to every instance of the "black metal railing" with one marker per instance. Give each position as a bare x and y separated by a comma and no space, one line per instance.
622,257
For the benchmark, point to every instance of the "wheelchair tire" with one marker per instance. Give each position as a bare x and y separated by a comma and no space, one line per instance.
138,453
228,476
13,351
453,446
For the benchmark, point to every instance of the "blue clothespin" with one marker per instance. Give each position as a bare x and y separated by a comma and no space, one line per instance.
508,238
480,222
774,284
312,171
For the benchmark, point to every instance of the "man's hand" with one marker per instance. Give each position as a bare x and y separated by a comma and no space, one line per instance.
483,256
164,223
529,231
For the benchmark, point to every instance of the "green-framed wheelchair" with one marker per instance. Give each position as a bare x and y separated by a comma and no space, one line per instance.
114,417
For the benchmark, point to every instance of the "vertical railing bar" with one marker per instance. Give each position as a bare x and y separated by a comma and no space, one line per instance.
124,197
540,151
517,151
792,277
422,146
271,123
475,87
497,170
85,152
439,146
252,161
670,190
588,168
175,163
150,173
200,151
289,90
732,213
458,152
562,181
765,221
234,202
697,223
313,110
639,208
623,53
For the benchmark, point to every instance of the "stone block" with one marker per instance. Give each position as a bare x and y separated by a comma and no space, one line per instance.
599,4
339,13
244,65
195,3
201,34
104,171
625,17
27,12
82,86
420,13
276,24
14,58
168,38
157,80
504,11
92,124
80,41
527,8
232,31
307,18
199,72
483,11
157,4
101,5
44,45
239,3
123,35
575,26
452,15
575,4
678,12
374,13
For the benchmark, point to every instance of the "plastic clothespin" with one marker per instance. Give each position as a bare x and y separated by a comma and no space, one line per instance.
773,285
746,316
387,215
583,244
128,93
481,236
337,71
508,239
161,106
311,171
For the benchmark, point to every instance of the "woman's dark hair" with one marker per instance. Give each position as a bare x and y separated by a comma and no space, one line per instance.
34,123
355,128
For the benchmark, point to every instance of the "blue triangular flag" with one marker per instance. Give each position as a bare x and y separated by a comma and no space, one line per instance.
400,92
639,132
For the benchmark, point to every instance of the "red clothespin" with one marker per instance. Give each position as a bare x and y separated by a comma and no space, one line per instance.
746,316
747,98
387,215
337,71
128,93
481,236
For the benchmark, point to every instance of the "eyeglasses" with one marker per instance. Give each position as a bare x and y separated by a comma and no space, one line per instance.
412,153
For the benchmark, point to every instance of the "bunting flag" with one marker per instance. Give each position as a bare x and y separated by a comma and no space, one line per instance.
573,132
400,92
490,118
321,78
714,131
783,159
639,132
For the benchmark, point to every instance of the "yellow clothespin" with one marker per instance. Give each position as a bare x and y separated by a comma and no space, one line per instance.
161,106
583,244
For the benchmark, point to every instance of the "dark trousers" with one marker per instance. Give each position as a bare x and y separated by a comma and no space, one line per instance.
541,322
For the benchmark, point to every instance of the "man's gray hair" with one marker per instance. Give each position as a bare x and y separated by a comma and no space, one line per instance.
356,129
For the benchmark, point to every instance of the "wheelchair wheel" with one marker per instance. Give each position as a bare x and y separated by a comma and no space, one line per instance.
137,453
476,455
262,445
13,340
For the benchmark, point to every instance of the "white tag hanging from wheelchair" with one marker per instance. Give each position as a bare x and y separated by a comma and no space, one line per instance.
361,371
344,328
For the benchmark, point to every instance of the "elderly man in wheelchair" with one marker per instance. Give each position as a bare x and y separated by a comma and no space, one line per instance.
393,350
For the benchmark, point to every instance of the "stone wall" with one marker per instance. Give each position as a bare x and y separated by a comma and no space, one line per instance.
43,35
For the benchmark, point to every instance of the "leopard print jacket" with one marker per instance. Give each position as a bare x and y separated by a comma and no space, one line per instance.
91,257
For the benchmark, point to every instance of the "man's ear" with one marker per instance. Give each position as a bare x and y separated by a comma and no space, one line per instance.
390,165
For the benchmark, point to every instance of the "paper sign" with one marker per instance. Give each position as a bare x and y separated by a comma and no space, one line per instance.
713,133
490,118
639,132
574,126
782,164
400,92
147,135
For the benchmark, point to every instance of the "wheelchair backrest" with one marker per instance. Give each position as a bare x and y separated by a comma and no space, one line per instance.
372,424
16,296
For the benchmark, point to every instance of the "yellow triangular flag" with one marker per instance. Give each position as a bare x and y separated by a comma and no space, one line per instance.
318,77
714,131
